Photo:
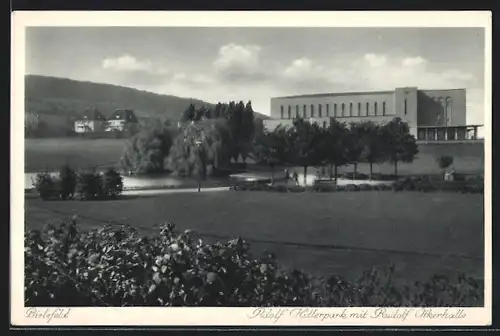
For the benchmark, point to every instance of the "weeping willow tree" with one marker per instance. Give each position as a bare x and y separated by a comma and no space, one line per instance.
145,153
199,149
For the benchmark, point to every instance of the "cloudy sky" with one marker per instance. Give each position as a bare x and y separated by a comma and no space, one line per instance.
222,64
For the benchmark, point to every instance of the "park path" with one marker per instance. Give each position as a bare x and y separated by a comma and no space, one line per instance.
150,192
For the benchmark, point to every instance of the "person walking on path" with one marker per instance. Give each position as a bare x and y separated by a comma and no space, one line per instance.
296,177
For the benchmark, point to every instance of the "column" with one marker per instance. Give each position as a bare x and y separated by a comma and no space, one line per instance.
475,132
436,134
456,134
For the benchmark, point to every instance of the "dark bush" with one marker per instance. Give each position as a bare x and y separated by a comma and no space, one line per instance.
46,186
351,187
366,187
280,188
115,266
297,189
89,186
67,182
383,187
112,183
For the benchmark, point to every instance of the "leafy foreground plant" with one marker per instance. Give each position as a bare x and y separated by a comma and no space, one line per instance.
118,267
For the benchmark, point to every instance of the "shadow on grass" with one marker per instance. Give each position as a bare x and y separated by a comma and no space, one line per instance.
114,199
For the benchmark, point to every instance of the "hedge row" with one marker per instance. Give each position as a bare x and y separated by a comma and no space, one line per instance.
408,184
118,267
85,185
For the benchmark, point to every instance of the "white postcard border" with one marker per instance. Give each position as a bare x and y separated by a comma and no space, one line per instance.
230,316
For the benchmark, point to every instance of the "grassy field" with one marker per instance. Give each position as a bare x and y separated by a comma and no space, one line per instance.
41,154
331,233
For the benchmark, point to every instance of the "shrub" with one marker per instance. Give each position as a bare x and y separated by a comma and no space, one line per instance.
67,182
351,187
112,183
297,189
444,161
341,188
89,186
46,186
366,187
406,184
280,188
322,188
115,266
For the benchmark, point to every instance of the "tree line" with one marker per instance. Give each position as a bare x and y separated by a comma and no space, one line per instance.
205,137
336,144
211,138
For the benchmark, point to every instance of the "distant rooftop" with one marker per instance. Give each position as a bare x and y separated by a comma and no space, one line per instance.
127,115
92,114
355,93
335,94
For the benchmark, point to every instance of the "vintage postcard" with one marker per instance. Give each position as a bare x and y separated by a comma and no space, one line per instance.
251,168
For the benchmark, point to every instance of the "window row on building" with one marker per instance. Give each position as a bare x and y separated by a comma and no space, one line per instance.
334,110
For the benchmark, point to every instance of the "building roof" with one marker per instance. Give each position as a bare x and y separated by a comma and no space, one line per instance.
336,94
127,115
92,114
357,93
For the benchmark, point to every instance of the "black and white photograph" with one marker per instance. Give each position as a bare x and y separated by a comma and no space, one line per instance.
332,172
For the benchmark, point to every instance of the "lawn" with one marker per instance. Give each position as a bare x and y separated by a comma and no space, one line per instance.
420,233
42,154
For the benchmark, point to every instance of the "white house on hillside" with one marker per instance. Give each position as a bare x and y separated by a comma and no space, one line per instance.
120,119
91,121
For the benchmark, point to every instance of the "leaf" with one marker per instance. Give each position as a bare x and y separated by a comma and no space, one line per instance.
151,288
156,278
164,268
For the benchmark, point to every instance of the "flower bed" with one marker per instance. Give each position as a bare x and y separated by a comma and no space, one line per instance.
118,267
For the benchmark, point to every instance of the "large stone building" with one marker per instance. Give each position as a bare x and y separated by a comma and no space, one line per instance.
430,114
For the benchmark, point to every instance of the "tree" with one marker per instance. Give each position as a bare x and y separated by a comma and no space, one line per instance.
373,144
217,111
444,161
189,113
399,144
304,141
247,130
208,113
354,145
334,145
235,122
271,148
67,182
112,183
146,151
198,146
89,185
199,113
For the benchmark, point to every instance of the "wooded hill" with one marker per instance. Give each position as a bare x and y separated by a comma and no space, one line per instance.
59,101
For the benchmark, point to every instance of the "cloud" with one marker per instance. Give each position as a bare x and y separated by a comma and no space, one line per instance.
372,72
375,61
129,70
127,63
303,68
239,62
